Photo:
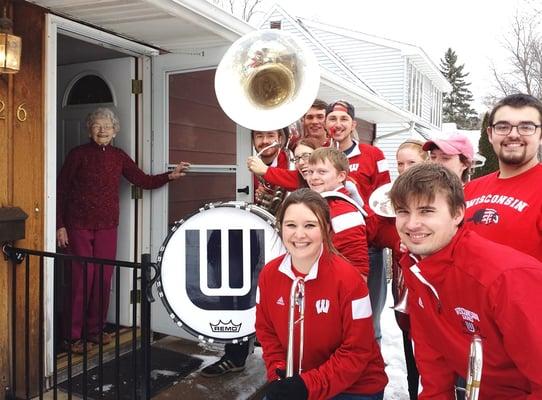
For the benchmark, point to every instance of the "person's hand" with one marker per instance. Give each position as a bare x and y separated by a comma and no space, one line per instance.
353,191
256,166
62,238
287,389
180,170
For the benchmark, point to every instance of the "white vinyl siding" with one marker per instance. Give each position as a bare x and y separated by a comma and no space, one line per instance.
390,144
436,107
426,99
415,81
380,67
388,68
423,98
324,60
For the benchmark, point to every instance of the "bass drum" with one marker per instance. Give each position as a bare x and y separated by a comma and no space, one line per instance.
209,266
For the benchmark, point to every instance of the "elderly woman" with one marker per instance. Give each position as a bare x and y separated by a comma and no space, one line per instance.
88,216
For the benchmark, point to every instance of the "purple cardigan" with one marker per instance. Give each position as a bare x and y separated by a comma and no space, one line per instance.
88,186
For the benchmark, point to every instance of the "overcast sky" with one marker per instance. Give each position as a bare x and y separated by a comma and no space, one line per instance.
473,28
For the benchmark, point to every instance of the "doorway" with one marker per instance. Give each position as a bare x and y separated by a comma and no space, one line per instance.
84,73
71,50
83,87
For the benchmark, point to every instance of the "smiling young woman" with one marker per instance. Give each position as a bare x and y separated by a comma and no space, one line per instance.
344,356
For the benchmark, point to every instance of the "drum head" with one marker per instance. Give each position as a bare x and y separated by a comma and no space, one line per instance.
209,266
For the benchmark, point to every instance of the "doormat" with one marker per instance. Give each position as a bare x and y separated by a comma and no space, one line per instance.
167,368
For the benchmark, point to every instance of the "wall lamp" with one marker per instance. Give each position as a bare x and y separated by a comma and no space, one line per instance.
10,46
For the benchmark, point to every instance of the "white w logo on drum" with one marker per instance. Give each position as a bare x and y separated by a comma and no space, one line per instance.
322,306
225,262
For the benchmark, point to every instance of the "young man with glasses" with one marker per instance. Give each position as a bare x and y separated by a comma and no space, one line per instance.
287,179
506,206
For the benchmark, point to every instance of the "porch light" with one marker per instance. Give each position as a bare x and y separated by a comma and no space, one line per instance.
10,47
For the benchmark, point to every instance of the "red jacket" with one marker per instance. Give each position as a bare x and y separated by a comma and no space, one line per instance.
280,161
369,168
88,186
340,352
349,233
285,178
474,285
381,231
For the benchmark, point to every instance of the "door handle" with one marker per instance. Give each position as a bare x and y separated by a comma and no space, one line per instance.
245,190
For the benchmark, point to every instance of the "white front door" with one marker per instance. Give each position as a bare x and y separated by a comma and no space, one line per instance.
81,88
189,125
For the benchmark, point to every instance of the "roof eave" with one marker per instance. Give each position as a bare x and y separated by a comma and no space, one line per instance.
384,111
207,16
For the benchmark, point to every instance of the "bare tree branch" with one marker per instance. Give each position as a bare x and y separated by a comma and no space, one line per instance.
524,47
252,10
244,9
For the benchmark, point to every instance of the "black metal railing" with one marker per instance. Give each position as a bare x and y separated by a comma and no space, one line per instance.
66,371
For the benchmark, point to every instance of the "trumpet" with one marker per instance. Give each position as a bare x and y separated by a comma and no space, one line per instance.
274,144
474,369
297,298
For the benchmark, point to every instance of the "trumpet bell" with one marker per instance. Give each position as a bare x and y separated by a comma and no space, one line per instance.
267,80
380,203
402,304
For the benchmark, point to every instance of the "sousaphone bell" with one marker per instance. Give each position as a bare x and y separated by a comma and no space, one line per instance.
267,80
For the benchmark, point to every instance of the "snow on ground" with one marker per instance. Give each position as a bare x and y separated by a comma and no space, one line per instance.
392,351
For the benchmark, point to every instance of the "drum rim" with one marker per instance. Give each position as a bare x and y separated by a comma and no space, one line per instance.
253,208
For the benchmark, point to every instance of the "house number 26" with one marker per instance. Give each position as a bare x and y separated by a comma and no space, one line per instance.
21,111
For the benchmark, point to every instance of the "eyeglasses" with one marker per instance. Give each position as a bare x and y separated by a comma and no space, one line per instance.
302,156
98,128
524,128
